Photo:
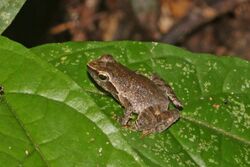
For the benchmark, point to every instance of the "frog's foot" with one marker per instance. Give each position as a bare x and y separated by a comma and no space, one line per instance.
132,126
124,120
126,126
146,133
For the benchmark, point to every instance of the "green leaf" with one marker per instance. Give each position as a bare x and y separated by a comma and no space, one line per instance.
54,115
8,11
48,120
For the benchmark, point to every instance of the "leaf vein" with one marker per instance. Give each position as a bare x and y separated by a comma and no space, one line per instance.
26,132
216,129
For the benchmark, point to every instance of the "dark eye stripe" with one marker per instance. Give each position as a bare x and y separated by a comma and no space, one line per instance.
102,77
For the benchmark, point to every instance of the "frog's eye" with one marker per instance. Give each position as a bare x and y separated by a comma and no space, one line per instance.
103,77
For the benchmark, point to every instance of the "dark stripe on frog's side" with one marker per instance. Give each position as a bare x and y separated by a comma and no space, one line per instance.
114,92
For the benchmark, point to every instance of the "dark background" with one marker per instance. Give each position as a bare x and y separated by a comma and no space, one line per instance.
211,26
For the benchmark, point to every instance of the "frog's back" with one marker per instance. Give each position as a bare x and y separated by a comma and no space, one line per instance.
140,91
148,94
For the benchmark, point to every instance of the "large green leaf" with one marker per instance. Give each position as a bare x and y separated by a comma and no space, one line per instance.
55,119
48,120
8,11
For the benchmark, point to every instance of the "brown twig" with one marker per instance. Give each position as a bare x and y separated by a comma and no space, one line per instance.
197,18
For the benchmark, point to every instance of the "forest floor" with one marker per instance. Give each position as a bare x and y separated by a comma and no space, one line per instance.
210,26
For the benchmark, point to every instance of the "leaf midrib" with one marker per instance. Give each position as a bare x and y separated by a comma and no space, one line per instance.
31,55
216,129
204,124
36,146
27,134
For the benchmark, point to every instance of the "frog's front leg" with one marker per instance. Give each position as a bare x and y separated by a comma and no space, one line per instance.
168,90
128,110
126,116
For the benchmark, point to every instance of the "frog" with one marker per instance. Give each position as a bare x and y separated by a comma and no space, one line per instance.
148,97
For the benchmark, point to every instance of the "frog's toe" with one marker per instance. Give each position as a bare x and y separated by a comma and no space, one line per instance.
179,107
146,133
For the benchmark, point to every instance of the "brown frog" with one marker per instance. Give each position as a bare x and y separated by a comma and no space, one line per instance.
149,98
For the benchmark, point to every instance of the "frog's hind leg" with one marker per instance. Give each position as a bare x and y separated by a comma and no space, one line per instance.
168,90
166,119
